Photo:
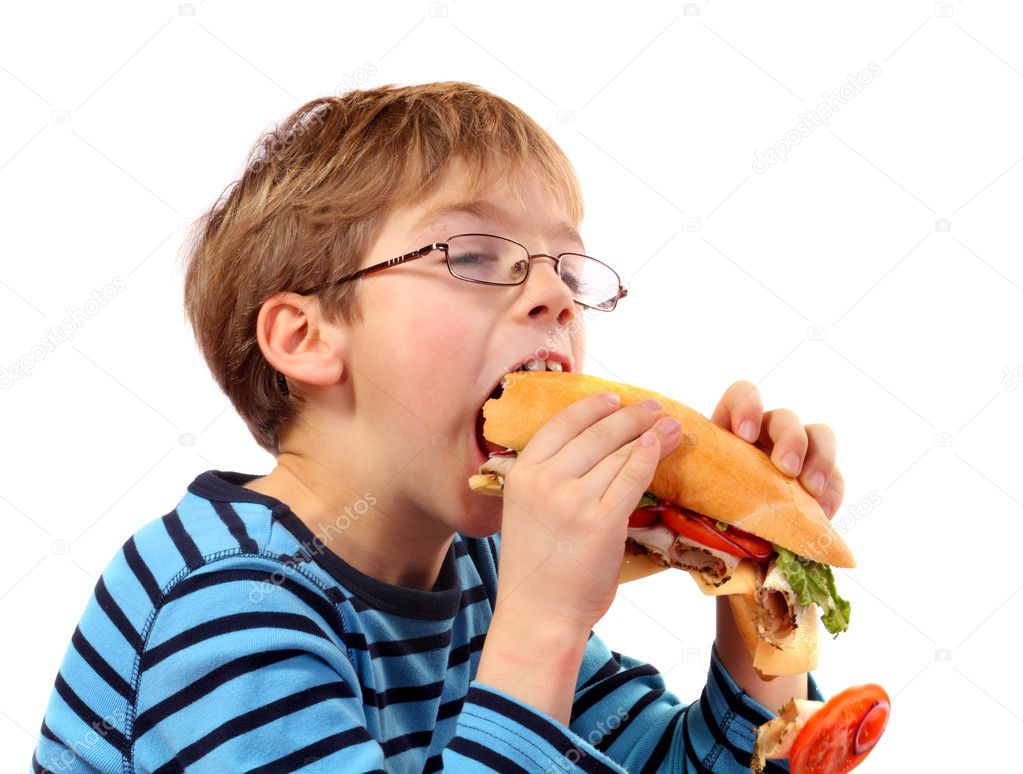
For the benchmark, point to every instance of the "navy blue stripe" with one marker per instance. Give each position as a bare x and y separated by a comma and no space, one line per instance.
663,746
610,667
450,709
183,541
142,571
100,666
538,725
735,703
225,625
401,695
208,683
266,582
236,527
401,648
691,750
741,757
493,552
253,719
433,763
471,596
315,751
338,597
406,742
46,732
462,653
605,742
112,736
116,615
600,691
486,756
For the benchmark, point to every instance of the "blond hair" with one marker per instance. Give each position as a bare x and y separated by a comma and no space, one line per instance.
310,202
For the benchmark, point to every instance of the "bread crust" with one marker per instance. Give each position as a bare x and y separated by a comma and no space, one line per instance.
712,471
796,657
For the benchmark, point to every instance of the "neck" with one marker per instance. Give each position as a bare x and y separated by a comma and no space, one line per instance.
373,531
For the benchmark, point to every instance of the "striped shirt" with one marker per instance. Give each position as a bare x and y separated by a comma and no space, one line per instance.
226,637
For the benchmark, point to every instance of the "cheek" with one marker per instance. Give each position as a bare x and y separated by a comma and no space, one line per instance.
441,350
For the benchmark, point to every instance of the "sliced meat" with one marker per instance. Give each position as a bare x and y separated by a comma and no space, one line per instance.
677,551
779,610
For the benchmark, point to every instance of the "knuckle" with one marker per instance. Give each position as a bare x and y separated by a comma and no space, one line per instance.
599,434
636,474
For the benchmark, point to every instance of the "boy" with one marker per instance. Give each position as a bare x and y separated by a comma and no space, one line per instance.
345,612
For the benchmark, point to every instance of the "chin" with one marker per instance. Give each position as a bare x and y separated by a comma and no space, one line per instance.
480,517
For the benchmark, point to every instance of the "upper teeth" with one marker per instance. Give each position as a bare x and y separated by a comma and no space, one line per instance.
540,365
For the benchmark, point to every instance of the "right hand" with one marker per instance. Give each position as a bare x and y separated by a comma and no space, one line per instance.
567,503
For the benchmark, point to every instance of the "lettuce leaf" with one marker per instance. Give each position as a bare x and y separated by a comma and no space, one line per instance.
647,499
813,583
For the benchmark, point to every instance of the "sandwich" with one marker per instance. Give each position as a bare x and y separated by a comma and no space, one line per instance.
824,737
717,507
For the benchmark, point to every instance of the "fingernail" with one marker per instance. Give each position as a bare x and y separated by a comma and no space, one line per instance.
817,481
652,403
611,398
791,462
648,439
668,425
748,431
828,510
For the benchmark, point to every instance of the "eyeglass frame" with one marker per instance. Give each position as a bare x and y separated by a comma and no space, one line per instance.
422,252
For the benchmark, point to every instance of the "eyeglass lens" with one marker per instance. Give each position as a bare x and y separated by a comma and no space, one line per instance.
494,260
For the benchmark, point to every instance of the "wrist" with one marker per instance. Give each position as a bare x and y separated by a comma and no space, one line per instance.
736,659
533,661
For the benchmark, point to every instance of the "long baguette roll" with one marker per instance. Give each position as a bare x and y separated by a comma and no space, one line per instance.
712,471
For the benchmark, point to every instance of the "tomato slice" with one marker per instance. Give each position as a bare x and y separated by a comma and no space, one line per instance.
642,517
704,530
842,733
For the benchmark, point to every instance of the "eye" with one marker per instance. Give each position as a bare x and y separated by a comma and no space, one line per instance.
519,269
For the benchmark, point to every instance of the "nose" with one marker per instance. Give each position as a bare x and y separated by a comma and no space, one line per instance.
544,293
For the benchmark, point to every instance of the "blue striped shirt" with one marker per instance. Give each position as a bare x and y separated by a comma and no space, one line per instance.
225,637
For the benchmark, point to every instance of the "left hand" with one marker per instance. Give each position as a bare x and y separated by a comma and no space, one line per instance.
780,434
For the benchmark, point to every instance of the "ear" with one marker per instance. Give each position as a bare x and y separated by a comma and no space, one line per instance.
296,341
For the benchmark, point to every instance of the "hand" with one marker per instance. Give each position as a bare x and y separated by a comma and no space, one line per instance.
780,434
567,503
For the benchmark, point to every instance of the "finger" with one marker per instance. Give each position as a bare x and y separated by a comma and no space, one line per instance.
819,460
740,410
834,491
567,424
599,479
632,480
580,455
784,438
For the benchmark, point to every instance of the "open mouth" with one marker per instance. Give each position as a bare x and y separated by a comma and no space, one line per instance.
489,448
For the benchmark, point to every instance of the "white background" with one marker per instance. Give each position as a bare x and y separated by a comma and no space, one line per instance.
871,281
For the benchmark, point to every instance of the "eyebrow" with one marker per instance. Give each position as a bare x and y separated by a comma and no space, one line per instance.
485,210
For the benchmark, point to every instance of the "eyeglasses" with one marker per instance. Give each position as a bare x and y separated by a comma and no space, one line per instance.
492,260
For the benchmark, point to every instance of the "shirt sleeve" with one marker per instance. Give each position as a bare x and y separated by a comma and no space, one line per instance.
623,707
264,683
241,673
624,719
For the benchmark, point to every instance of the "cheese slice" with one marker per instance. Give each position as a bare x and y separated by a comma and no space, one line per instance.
744,579
636,566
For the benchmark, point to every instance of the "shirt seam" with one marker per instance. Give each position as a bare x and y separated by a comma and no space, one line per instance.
128,759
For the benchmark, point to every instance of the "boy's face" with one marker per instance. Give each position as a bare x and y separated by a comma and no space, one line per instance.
431,348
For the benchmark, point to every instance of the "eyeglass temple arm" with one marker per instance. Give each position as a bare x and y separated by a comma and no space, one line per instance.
381,266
